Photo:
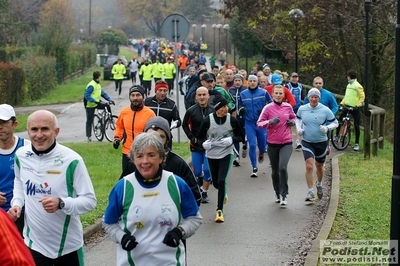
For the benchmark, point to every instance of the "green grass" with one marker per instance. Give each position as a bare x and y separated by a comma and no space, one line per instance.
104,166
22,119
71,91
365,196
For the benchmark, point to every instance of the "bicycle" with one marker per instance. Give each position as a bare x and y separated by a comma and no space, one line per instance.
104,123
342,140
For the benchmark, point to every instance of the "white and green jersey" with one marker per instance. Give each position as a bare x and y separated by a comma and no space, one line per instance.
60,173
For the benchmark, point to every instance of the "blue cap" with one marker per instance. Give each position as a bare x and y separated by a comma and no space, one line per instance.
276,79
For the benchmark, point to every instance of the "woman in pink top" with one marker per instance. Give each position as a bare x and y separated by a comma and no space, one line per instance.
278,117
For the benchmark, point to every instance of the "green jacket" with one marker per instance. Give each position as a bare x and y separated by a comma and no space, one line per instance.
118,71
170,70
146,71
354,95
228,97
158,70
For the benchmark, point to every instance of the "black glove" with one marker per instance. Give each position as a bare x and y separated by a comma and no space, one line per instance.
112,102
116,143
173,237
128,242
241,111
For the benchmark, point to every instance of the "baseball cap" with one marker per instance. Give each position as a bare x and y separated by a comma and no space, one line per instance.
207,77
294,74
276,79
6,112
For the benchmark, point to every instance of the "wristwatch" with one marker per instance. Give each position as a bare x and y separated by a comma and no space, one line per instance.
182,231
61,204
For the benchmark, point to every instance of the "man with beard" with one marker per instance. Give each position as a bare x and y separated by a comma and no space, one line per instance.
131,122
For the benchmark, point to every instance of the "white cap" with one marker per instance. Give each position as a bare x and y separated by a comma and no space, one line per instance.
6,112
315,92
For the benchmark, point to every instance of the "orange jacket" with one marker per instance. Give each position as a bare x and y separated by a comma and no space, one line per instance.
183,62
288,97
129,120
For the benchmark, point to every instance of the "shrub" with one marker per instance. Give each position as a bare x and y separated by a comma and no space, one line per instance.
11,89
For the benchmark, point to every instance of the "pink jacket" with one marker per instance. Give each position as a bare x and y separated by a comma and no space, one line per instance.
280,132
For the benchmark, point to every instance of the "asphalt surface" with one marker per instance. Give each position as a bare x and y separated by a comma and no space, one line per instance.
256,231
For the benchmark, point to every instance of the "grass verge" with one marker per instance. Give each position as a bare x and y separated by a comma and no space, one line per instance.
365,196
104,166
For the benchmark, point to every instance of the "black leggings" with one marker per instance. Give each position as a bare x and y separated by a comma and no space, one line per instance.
219,170
74,258
118,86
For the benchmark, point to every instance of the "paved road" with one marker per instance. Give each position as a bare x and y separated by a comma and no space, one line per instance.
256,230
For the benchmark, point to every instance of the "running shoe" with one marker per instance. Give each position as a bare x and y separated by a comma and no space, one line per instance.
284,201
310,196
320,191
298,145
226,199
277,198
244,151
204,197
254,173
260,157
236,162
219,217
356,147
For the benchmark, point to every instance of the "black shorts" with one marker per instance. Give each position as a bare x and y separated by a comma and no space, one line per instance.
315,150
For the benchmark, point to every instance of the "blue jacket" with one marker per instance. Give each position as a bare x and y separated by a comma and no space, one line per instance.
253,101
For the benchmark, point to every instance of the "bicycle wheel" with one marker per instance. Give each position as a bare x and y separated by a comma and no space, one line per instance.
110,127
341,141
98,128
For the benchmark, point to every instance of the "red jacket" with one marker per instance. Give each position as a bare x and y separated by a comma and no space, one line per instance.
288,95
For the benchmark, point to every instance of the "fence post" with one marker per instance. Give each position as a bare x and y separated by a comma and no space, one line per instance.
375,134
367,136
382,118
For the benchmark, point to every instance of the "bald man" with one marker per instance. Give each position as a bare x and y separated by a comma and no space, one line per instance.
49,177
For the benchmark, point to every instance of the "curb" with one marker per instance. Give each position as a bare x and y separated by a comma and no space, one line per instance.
313,255
92,229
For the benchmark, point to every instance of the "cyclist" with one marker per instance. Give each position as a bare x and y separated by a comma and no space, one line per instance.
354,97
313,121
91,100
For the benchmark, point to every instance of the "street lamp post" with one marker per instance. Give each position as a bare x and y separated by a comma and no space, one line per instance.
367,136
214,26
90,18
203,28
219,26
395,206
296,14
226,28
194,31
